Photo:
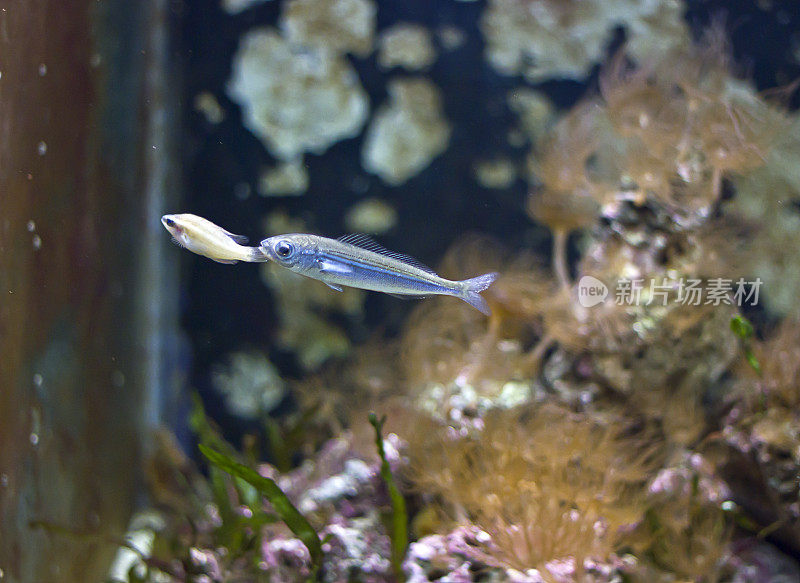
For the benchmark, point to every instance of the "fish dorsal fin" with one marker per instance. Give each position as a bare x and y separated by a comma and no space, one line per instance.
241,239
368,243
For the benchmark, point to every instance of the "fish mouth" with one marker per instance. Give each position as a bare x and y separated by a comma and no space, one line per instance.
169,223
266,250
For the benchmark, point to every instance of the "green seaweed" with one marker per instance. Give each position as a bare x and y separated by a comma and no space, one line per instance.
232,531
292,517
277,445
399,525
742,327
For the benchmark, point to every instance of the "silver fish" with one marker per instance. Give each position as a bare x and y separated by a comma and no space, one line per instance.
358,261
203,237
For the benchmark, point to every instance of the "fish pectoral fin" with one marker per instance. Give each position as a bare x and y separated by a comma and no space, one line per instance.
225,261
336,287
328,266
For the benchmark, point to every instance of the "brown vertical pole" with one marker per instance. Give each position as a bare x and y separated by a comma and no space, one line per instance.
78,195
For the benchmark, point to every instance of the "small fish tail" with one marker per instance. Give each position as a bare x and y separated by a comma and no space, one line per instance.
257,255
473,288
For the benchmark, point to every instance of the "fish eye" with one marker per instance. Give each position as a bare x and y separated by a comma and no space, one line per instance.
169,222
284,249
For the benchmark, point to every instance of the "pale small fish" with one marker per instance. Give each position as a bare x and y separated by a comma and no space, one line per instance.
203,237
358,261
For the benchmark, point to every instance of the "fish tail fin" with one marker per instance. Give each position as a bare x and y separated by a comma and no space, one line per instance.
471,292
257,255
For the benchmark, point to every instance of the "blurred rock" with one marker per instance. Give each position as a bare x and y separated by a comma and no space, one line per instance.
250,384
286,179
371,215
771,254
497,173
548,39
406,45
407,133
237,6
534,110
295,99
207,104
336,26
451,37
